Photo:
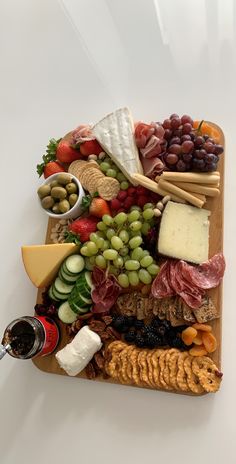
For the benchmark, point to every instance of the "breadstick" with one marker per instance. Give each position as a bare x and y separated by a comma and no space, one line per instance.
199,178
151,185
197,195
197,188
181,193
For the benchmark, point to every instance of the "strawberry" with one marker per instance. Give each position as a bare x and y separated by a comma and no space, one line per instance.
65,153
99,207
53,167
50,165
82,228
91,147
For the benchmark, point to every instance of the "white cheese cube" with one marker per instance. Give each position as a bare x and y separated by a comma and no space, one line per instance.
75,356
184,233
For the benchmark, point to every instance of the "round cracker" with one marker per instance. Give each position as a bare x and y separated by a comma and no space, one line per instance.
108,188
181,374
192,379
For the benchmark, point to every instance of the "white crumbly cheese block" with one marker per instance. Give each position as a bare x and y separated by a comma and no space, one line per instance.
75,356
115,133
184,233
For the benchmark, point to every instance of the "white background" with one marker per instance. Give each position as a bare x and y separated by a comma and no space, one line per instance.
63,63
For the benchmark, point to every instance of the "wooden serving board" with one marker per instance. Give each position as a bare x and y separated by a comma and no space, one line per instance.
216,206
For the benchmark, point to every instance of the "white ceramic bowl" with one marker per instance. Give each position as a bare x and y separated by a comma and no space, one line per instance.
76,210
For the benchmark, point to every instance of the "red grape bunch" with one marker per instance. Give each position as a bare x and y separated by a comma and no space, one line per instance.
187,149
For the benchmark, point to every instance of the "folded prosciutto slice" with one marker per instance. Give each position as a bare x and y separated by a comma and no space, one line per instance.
152,167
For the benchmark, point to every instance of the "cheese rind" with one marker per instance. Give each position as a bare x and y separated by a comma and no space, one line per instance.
115,133
42,262
75,356
184,233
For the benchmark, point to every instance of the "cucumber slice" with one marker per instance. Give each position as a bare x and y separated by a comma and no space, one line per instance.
66,314
75,264
78,310
78,299
66,278
65,270
61,287
88,279
59,296
83,291
50,294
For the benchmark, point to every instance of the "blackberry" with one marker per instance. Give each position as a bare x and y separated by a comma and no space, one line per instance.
161,330
177,343
130,336
138,324
149,328
155,322
166,324
119,323
130,320
152,340
140,341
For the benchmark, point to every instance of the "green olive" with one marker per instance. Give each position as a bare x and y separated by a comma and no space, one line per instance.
64,206
73,199
64,179
56,209
59,192
54,183
47,202
44,191
71,187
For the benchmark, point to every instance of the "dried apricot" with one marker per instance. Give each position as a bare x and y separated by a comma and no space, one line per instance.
198,339
188,335
203,327
209,341
198,350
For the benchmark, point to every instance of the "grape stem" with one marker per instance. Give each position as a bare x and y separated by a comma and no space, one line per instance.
200,126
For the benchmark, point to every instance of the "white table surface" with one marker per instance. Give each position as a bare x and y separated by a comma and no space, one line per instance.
63,63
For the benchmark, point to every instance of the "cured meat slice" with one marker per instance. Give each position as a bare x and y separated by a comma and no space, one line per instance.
152,148
207,275
161,285
152,167
106,290
193,300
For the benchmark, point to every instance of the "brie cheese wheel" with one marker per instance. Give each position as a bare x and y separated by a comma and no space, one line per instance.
115,133
75,356
184,233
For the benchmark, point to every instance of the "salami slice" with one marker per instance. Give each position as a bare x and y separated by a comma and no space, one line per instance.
161,287
207,275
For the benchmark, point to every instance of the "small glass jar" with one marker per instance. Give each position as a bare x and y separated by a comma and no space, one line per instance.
30,336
